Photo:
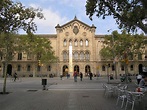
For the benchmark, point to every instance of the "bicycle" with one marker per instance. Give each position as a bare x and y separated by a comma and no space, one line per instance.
18,79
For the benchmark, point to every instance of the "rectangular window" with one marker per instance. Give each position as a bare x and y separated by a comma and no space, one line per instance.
113,68
28,68
29,56
19,56
18,68
122,67
131,68
49,68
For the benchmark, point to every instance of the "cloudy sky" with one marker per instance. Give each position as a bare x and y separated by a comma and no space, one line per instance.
63,11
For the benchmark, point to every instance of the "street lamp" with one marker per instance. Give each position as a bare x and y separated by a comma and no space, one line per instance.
114,62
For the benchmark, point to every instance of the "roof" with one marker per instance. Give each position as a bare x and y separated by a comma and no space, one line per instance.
75,19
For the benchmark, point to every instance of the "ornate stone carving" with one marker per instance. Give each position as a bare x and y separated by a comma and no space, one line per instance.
75,30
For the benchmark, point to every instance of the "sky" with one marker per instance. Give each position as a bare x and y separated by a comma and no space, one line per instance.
62,11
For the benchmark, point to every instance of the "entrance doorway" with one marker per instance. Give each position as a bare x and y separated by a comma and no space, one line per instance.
76,68
65,70
87,70
9,69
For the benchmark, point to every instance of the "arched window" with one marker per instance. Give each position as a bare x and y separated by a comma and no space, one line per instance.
75,55
76,42
28,68
70,42
87,56
65,55
82,56
65,42
81,42
87,43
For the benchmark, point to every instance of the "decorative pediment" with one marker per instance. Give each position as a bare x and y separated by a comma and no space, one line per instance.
75,25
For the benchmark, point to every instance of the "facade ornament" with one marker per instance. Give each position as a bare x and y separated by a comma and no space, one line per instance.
75,30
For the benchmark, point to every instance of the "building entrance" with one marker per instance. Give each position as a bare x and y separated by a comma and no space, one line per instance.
9,69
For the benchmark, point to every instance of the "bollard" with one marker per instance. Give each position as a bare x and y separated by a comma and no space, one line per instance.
44,83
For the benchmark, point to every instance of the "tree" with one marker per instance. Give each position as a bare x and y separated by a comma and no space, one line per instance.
14,16
36,45
129,14
123,47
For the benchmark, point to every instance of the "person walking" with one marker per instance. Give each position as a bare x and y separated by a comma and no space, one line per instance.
90,75
15,76
75,76
139,77
81,76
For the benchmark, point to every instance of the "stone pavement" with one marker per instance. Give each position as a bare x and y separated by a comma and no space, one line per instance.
27,94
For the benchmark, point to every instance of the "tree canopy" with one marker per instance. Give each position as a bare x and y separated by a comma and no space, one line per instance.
123,46
36,45
129,14
15,16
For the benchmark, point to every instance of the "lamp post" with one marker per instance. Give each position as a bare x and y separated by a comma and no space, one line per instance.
114,62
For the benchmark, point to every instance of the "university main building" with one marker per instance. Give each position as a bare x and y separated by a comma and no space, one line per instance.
85,54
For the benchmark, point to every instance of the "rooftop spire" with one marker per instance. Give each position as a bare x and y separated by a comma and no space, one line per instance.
75,17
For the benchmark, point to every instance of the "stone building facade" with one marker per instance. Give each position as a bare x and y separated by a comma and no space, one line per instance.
85,54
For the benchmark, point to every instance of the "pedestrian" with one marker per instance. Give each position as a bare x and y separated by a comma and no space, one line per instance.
139,77
75,76
81,76
90,75
15,76
142,82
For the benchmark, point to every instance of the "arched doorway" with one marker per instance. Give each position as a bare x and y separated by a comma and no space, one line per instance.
9,69
76,68
65,70
140,68
87,70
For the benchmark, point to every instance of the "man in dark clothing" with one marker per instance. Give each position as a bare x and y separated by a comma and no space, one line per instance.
81,76
15,76
90,75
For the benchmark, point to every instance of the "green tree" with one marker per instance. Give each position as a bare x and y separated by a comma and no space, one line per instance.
129,14
14,16
123,47
34,45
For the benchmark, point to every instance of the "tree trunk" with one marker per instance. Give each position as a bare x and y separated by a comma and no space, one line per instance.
5,77
126,72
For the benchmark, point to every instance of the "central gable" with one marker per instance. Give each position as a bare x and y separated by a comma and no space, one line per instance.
75,26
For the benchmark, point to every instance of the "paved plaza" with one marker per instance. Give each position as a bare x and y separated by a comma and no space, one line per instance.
65,94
